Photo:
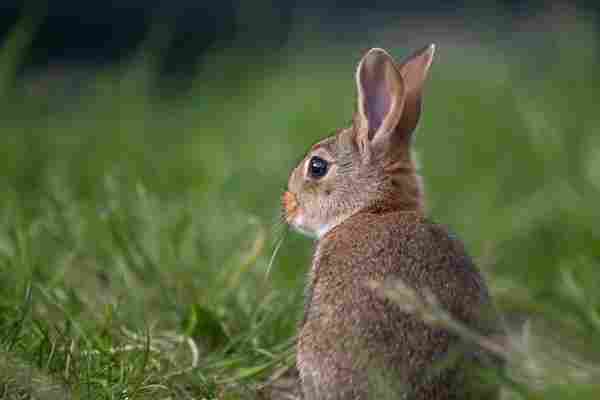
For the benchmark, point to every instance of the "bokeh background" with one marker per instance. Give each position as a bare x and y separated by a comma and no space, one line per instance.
144,146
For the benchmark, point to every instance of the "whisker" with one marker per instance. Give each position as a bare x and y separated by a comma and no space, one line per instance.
279,229
275,251
277,225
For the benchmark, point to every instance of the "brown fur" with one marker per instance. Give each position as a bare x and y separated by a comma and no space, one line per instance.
368,214
350,332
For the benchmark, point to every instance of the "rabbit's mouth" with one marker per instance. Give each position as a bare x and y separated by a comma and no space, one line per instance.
294,215
298,220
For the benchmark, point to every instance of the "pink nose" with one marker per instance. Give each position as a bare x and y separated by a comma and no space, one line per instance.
290,205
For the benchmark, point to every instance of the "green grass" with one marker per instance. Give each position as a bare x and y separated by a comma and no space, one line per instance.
136,230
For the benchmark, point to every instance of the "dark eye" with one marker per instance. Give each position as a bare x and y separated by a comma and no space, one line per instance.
317,167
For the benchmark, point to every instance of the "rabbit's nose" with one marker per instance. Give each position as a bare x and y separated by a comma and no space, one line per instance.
290,205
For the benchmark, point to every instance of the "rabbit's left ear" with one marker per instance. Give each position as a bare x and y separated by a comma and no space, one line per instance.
414,73
389,99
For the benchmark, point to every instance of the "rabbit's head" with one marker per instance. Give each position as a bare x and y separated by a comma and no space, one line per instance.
368,164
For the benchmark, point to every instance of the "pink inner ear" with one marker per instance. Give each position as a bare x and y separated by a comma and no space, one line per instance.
377,103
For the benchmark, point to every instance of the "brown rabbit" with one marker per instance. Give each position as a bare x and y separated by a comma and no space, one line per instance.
358,192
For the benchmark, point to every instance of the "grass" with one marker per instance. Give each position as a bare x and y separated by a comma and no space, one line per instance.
136,229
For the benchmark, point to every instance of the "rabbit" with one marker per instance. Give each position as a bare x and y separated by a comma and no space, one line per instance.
358,193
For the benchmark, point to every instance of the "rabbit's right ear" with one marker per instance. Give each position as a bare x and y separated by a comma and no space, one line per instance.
380,95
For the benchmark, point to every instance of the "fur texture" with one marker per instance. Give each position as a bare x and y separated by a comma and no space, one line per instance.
352,336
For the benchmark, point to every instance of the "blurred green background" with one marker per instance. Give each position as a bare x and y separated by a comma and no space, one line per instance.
139,207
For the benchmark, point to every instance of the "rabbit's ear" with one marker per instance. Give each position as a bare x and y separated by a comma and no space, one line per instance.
389,99
380,93
414,72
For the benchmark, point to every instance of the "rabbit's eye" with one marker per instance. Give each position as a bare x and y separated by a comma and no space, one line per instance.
317,167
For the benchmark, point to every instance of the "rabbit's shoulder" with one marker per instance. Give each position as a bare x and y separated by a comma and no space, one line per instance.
387,246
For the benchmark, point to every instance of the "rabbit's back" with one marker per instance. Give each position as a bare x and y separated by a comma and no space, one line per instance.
352,336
